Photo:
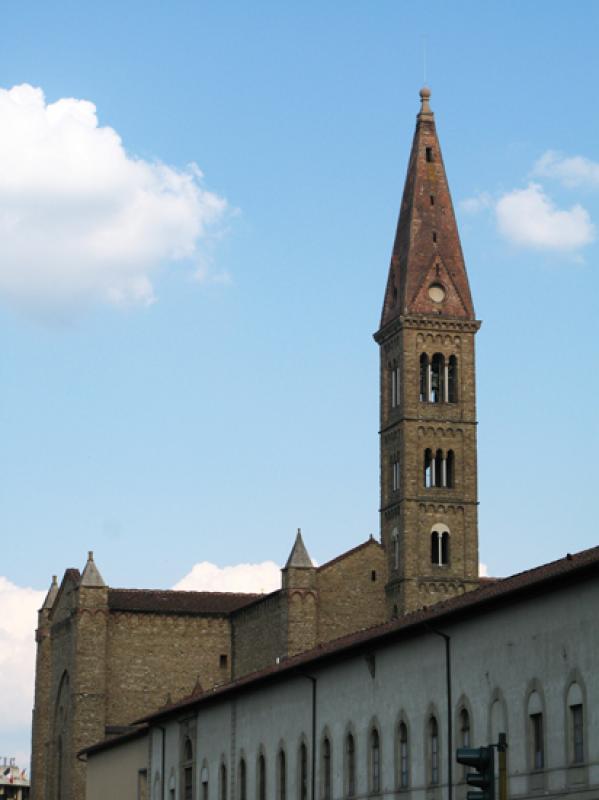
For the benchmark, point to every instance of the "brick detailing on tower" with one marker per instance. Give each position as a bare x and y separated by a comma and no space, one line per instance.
428,466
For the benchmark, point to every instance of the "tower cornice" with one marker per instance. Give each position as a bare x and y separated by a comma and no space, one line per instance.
427,323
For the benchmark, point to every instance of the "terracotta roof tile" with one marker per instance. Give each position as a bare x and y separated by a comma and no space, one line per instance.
158,601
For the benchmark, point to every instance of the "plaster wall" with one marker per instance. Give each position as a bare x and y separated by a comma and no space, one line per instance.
115,773
540,644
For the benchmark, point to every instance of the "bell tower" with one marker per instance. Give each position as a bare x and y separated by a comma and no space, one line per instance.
428,510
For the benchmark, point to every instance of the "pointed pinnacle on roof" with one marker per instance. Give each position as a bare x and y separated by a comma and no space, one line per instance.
51,596
299,555
91,576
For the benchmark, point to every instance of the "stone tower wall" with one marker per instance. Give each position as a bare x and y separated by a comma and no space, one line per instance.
407,431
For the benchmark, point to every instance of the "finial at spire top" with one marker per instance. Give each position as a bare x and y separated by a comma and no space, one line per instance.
425,95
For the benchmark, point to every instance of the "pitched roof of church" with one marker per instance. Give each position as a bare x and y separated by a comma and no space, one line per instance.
568,570
427,250
299,555
169,601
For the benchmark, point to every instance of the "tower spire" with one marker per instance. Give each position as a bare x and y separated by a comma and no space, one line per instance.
429,525
427,274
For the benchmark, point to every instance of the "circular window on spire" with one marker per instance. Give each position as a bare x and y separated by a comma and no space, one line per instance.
436,292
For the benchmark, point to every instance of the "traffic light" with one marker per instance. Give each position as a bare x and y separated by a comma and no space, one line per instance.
482,760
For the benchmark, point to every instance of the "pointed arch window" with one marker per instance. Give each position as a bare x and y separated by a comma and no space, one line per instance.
303,772
404,764
576,722
326,769
223,781
464,735
537,733
440,546
261,777
433,743
282,775
242,780
350,760
375,762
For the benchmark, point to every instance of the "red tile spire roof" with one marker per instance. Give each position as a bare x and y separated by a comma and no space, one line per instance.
427,250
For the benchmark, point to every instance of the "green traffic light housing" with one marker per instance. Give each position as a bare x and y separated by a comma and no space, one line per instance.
481,759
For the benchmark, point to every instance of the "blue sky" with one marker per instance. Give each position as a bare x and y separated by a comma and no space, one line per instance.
219,388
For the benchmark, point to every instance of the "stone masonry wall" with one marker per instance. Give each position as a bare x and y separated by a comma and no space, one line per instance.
259,634
349,599
151,657
41,716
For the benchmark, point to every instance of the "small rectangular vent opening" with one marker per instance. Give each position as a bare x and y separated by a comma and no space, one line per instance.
429,154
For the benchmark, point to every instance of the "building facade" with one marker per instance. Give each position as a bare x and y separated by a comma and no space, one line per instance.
108,656
374,714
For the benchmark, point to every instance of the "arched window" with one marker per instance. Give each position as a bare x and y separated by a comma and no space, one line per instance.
222,778
187,769
576,722
439,469
452,380
429,474
404,764
395,385
375,762
350,762
464,720
433,744
303,772
326,769
437,379
282,770
449,469
395,540
440,545
242,780
396,474
261,777
536,731
424,378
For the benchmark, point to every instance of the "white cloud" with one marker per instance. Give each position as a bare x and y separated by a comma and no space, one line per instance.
528,217
569,170
207,577
18,621
479,202
81,220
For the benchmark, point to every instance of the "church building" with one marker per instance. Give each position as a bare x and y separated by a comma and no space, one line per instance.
357,677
